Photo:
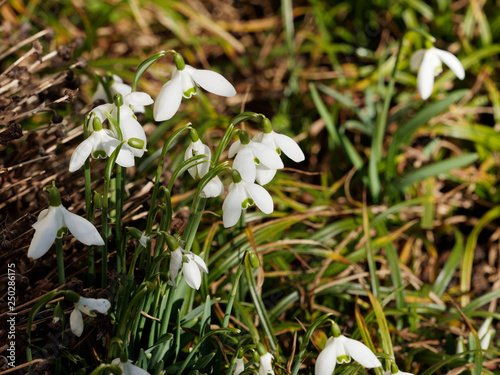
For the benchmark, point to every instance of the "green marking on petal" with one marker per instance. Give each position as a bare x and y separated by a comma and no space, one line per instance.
343,359
247,203
189,93
278,151
257,161
99,154
62,231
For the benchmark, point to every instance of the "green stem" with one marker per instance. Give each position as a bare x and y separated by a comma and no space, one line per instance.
60,261
119,210
232,296
104,248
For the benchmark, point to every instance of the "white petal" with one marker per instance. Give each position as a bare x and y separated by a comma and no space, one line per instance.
266,366
137,98
120,88
239,366
289,147
452,62
244,163
416,59
235,147
200,262
425,77
45,233
81,153
326,361
169,99
231,207
100,94
82,229
192,274
130,369
108,141
260,196
187,83
126,157
361,353
76,322
266,155
211,81
100,110
213,188
87,305
264,175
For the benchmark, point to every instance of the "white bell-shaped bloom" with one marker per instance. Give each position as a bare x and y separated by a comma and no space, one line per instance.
242,195
340,350
128,368
51,224
214,187
239,366
279,143
183,84
192,266
429,64
251,155
266,364
116,87
86,306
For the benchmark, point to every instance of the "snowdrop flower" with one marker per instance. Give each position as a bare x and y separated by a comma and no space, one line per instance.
86,306
485,333
395,371
184,80
250,154
278,142
100,144
192,265
214,187
265,361
57,220
116,86
430,63
128,368
339,349
239,366
241,195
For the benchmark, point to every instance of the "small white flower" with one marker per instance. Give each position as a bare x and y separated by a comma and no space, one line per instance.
144,240
277,142
184,80
252,154
86,306
242,195
214,187
485,333
430,63
239,366
116,87
49,225
192,266
340,350
128,368
266,366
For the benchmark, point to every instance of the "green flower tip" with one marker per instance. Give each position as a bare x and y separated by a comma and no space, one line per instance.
255,356
134,232
336,330
71,296
261,349
97,199
394,368
118,100
136,143
97,124
123,357
241,352
254,260
54,196
244,137
194,135
179,61
235,175
267,126
172,242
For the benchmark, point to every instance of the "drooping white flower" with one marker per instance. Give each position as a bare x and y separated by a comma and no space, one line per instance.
239,366
53,222
241,195
214,187
192,265
429,64
250,154
266,364
86,306
184,80
128,368
116,87
339,349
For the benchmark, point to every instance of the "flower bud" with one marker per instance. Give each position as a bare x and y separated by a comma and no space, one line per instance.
256,356
179,61
58,313
261,348
97,199
136,143
134,232
254,260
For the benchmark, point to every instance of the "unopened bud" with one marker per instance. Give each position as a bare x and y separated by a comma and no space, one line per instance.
254,260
